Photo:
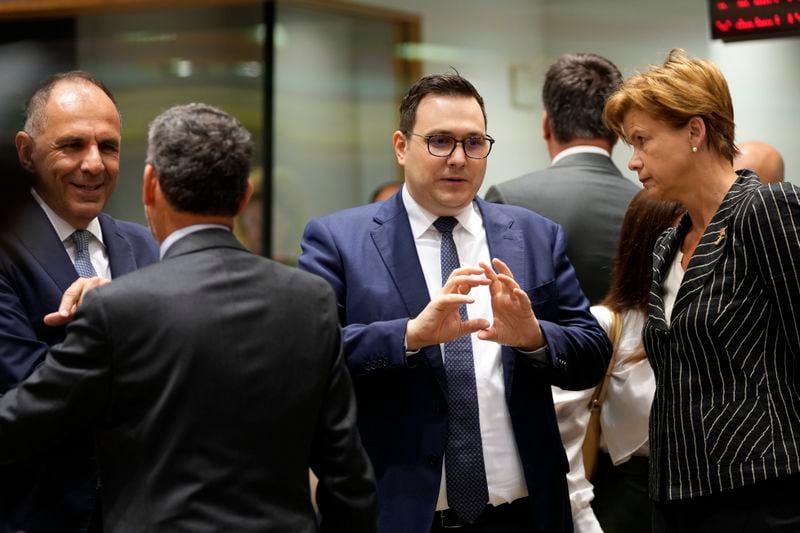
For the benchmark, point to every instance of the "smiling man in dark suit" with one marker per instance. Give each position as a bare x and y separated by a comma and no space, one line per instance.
453,370
214,379
70,149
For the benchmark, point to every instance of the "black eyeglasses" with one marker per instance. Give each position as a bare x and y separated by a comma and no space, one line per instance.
444,145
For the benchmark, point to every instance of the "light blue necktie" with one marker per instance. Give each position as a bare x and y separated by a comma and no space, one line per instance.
83,263
467,493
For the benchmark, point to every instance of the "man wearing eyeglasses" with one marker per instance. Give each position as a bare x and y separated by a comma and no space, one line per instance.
458,315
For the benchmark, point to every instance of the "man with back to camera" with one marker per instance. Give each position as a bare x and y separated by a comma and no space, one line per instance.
208,400
70,147
454,400
582,190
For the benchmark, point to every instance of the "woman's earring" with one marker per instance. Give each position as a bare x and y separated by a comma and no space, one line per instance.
694,149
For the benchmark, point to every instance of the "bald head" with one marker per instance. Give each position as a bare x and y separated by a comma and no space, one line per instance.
761,158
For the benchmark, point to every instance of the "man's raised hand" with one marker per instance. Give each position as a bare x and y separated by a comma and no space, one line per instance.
440,320
514,322
72,298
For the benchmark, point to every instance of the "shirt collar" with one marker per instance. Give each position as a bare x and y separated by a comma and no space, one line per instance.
63,228
178,234
422,220
579,149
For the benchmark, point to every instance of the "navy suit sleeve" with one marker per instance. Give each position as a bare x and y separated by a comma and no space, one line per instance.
64,394
578,347
28,292
20,349
373,347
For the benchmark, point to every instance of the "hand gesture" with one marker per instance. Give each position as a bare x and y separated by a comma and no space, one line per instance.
72,298
440,320
514,322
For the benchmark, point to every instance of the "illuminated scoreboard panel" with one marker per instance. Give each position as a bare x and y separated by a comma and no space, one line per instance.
733,20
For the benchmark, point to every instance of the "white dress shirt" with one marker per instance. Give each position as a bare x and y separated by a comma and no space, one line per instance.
672,282
572,413
624,416
64,230
504,475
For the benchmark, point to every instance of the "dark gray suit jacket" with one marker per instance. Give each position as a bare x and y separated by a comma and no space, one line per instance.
214,380
587,195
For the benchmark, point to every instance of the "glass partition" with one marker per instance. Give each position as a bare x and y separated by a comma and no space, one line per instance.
317,83
334,113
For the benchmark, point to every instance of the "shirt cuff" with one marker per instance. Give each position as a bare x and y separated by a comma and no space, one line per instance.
409,353
539,355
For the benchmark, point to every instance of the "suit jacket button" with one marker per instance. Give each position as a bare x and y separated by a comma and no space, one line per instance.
433,460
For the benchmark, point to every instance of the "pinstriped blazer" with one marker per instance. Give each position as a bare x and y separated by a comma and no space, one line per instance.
726,411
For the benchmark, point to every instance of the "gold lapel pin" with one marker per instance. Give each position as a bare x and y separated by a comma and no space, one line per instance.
720,236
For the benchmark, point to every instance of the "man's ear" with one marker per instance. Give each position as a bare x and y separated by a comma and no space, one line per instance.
24,144
149,185
246,198
546,133
400,146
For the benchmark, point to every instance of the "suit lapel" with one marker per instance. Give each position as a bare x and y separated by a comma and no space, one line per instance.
505,242
662,260
712,245
37,235
395,244
508,245
121,258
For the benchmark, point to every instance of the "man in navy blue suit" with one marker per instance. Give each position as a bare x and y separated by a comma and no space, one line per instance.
511,313
70,147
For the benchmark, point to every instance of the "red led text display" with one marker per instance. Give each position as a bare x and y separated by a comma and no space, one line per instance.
733,20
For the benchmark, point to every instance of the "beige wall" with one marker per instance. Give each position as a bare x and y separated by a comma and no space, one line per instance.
485,39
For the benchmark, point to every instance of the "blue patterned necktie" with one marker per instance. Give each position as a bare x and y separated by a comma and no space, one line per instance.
83,264
467,493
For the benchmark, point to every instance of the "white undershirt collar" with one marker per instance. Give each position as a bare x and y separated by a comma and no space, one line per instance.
579,149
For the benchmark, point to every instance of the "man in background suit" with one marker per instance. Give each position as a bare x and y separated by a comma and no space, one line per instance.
763,159
214,379
70,148
453,371
582,190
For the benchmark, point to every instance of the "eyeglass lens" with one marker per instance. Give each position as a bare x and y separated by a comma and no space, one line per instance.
444,145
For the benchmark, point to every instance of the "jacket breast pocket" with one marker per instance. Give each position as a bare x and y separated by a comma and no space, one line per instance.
544,299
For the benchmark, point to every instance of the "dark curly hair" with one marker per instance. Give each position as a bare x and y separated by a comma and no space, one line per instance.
202,158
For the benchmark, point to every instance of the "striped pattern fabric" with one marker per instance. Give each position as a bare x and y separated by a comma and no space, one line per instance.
726,412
